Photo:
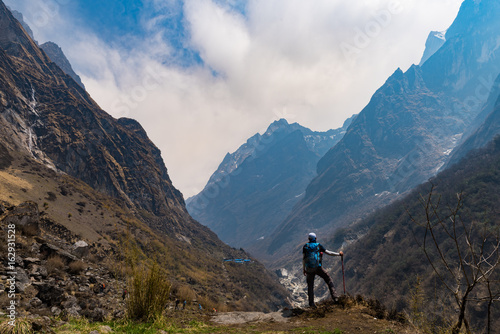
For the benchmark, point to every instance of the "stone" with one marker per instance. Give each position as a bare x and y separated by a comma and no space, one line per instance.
36,302
50,294
43,271
40,324
33,260
96,315
49,250
74,311
56,311
81,248
35,247
105,329
282,273
70,302
22,280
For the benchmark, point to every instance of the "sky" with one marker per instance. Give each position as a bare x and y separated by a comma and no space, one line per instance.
202,76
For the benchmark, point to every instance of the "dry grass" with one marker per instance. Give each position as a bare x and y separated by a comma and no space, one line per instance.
54,264
184,292
77,267
149,292
21,326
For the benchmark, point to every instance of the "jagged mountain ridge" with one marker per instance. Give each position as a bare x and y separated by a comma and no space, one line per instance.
405,133
255,187
53,50
50,127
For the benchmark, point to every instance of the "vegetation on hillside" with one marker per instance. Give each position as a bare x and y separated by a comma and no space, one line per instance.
389,261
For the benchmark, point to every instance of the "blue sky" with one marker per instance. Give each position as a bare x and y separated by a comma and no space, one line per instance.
204,75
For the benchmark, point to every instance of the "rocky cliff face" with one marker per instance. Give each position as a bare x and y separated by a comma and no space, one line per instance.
57,56
406,132
103,180
255,187
52,118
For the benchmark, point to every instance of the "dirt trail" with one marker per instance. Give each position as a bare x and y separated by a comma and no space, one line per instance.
238,318
349,317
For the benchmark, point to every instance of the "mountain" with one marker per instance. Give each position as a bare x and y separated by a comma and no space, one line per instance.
256,187
403,136
387,259
103,180
434,42
19,16
56,54
488,128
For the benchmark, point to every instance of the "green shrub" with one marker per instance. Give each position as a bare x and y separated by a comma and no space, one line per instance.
149,291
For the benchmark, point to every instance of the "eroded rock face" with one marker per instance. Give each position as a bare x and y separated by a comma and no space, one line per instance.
51,118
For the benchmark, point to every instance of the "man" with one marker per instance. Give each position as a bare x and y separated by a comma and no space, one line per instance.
311,266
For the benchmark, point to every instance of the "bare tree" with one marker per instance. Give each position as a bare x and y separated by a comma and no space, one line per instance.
463,254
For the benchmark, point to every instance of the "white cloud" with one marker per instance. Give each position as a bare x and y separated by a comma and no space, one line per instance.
284,57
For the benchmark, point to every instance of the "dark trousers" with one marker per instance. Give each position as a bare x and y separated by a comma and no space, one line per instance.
310,283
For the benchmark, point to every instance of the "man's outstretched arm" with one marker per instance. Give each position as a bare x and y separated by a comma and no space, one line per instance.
334,253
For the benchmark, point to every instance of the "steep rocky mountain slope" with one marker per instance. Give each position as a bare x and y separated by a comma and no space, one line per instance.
104,181
387,262
488,128
403,136
256,187
53,50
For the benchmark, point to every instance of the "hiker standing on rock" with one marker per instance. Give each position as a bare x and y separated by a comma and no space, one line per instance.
311,266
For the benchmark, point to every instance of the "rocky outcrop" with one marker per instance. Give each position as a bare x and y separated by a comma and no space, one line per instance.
57,56
49,116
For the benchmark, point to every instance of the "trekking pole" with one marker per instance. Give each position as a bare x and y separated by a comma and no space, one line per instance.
343,275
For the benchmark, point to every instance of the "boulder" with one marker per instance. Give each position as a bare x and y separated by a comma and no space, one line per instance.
81,248
56,311
282,273
36,302
95,315
74,312
48,250
22,280
50,294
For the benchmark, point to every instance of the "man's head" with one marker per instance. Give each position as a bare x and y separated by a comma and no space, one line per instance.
312,236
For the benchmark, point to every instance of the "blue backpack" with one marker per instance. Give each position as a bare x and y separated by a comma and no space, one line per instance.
311,255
